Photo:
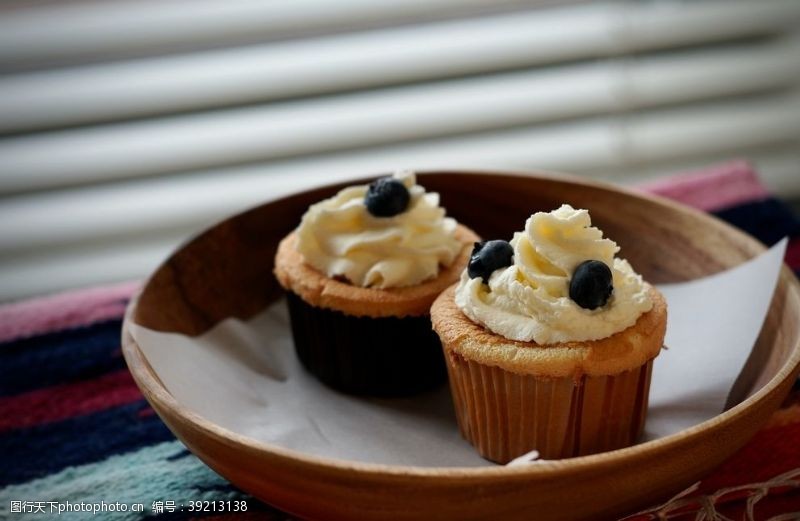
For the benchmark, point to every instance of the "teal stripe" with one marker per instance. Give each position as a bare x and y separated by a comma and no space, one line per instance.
166,471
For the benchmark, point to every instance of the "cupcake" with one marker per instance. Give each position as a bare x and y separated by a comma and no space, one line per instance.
361,272
549,342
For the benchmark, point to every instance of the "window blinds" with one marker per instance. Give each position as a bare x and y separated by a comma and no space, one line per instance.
126,126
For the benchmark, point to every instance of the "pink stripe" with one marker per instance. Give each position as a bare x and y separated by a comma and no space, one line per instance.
64,310
65,401
713,188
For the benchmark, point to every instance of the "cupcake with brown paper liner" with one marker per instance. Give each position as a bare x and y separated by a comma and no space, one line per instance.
361,272
549,342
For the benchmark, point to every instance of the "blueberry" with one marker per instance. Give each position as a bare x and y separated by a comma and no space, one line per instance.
487,257
591,284
386,197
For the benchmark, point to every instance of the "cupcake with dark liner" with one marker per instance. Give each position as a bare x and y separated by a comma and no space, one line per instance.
361,272
549,342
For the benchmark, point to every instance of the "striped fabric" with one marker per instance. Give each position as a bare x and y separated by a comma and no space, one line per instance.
74,427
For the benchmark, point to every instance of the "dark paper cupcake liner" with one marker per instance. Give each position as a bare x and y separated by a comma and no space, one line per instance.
386,356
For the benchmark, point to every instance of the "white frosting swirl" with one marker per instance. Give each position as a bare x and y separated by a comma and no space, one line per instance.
529,300
340,238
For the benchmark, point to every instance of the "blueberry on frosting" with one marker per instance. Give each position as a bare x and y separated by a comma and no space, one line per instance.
387,197
591,284
488,256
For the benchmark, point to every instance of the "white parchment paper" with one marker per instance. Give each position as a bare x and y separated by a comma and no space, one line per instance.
245,377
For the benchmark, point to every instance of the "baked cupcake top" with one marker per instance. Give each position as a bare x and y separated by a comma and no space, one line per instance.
388,234
557,281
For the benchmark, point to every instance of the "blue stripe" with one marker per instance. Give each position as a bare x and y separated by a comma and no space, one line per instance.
158,473
172,474
64,357
768,220
37,451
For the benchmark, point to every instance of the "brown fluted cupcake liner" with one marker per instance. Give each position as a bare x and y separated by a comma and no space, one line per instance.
384,356
505,415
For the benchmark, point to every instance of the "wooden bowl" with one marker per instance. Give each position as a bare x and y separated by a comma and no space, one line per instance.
227,271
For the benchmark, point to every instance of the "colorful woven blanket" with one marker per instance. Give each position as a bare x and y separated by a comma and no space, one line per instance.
76,434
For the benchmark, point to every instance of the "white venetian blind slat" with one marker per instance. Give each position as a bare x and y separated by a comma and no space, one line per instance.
126,126
371,58
662,135
274,131
75,267
305,67
92,29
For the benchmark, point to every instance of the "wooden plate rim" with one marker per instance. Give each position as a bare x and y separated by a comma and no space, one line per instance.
155,392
